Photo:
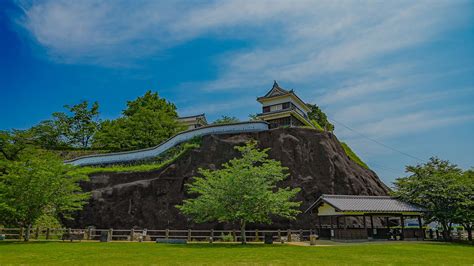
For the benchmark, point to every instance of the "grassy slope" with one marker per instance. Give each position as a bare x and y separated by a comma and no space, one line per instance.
398,253
143,167
315,123
353,156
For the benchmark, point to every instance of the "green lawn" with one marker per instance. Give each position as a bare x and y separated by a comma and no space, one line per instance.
118,253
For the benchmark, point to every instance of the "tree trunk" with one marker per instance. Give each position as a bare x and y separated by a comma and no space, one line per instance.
27,234
242,232
469,231
446,230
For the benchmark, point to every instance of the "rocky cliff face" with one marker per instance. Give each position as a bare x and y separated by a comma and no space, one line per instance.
316,161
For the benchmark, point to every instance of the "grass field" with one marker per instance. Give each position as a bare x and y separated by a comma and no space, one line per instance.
119,253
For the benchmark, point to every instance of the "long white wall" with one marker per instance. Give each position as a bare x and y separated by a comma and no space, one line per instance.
109,158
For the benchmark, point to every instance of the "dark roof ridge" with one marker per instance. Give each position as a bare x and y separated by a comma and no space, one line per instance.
189,116
356,196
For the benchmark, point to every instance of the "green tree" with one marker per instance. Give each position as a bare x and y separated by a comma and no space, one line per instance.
254,117
48,135
320,117
464,205
80,124
147,121
113,135
38,183
243,191
436,186
12,142
226,120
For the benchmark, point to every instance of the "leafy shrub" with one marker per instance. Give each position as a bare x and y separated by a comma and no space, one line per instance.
227,237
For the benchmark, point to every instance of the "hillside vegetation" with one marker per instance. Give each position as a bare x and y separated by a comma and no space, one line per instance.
353,156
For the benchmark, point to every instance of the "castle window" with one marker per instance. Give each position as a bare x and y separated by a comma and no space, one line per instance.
276,107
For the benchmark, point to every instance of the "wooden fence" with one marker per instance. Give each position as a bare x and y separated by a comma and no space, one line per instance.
151,235
202,235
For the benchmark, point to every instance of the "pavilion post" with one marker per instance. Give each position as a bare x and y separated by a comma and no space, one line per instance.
320,227
332,228
372,226
402,223
387,221
365,226
421,227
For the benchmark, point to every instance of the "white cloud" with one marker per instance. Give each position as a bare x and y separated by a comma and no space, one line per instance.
100,32
298,37
414,122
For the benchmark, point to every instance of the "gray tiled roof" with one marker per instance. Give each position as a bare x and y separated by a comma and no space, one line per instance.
367,203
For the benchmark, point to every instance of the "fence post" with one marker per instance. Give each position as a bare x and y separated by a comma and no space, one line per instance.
234,234
189,235
279,235
37,233
47,233
89,233
211,238
167,233
20,234
111,231
256,235
132,232
301,234
288,235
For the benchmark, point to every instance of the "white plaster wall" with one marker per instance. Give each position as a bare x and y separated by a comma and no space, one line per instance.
284,100
327,210
177,139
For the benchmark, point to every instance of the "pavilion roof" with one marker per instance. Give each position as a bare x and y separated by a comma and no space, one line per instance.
193,116
277,91
375,204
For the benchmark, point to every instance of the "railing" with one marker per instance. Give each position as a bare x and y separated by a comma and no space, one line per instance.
287,235
118,157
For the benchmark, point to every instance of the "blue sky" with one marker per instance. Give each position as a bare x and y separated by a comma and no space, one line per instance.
399,72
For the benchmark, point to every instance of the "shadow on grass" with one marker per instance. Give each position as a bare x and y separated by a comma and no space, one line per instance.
5,243
222,245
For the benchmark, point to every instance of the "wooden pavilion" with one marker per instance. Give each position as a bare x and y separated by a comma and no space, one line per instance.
351,217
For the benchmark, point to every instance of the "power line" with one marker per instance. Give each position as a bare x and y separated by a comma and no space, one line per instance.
376,141
393,171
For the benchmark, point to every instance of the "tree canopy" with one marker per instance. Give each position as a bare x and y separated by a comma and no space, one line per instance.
443,188
226,120
242,191
80,124
146,122
320,117
35,184
72,129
